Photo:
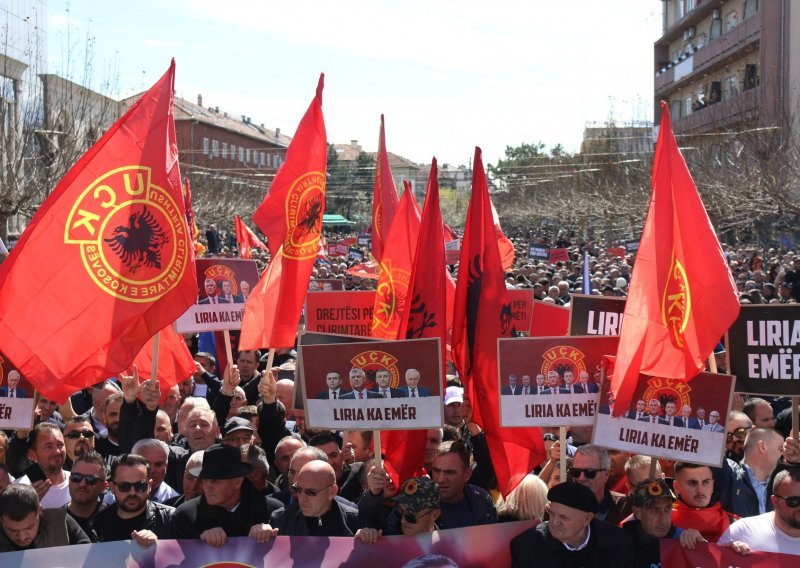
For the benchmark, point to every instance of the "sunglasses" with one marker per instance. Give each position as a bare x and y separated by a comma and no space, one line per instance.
792,501
576,472
297,490
550,438
413,518
740,432
89,479
75,434
125,487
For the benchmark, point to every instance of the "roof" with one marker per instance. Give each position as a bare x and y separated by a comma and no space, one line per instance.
185,110
333,219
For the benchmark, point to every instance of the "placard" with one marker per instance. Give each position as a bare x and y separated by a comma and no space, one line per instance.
224,285
521,309
365,241
664,401
549,320
559,255
338,249
595,315
452,251
616,251
342,313
764,349
381,385
561,377
538,251
632,246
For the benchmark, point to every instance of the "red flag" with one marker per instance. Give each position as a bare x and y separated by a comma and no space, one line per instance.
396,266
107,260
482,316
425,316
199,248
384,199
682,297
291,217
245,238
175,362
506,246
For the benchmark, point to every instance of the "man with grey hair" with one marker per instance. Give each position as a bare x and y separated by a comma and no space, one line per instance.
257,458
744,485
637,470
590,467
156,453
192,485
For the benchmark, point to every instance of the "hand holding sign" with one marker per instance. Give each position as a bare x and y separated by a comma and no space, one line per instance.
267,386
230,380
151,394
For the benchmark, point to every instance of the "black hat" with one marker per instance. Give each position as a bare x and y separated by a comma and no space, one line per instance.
573,495
222,462
235,424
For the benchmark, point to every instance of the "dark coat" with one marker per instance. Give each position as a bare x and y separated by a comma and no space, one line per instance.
157,520
291,522
196,516
56,528
609,547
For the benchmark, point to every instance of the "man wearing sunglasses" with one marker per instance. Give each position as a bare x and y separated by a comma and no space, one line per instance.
737,427
591,466
776,531
87,482
132,516
713,422
416,512
78,439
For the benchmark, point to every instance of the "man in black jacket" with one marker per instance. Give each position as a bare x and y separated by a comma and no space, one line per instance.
132,516
572,537
316,512
230,504
462,504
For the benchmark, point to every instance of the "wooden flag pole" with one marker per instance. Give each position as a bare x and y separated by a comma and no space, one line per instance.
712,363
653,466
795,417
154,365
228,351
376,441
270,359
562,443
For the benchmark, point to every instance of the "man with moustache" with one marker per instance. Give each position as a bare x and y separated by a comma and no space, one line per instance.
133,516
87,483
694,508
78,439
46,448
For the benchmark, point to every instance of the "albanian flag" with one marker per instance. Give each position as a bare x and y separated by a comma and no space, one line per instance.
398,261
245,238
107,260
384,199
291,217
682,297
482,316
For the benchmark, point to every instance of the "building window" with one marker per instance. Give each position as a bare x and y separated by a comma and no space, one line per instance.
716,25
687,106
215,148
247,155
205,146
224,149
731,20
730,87
241,154
263,159
715,92
751,79
675,109
233,151
750,8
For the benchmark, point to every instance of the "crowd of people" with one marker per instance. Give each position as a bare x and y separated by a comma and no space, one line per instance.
221,455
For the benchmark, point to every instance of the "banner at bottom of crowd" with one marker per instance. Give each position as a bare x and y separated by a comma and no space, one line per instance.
379,385
670,419
673,555
456,547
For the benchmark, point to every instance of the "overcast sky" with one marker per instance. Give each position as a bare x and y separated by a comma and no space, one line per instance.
448,75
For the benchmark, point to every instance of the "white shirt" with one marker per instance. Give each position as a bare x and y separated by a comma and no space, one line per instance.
57,496
761,533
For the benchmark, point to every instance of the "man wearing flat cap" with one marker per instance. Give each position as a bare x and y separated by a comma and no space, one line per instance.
652,509
229,506
237,432
572,537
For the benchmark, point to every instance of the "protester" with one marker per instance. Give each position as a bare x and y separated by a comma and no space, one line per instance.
156,453
416,510
87,483
590,467
526,502
695,509
744,484
462,504
78,439
47,451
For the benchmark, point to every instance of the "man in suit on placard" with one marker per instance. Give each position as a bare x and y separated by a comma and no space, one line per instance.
552,383
654,415
334,390
13,390
412,388
713,423
669,416
569,383
586,385
212,297
689,422
358,382
511,387
640,412
383,380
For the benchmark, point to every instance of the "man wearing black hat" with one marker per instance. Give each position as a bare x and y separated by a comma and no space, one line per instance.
572,537
229,506
237,432
652,509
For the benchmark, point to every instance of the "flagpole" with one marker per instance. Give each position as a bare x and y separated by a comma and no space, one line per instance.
712,363
376,439
270,359
154,366
562,442
653,466
228,351
795,416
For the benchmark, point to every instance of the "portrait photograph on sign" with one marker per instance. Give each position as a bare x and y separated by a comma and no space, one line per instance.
595,315
764,349
670,419
551,381
17,402
343,313
223,287
386,385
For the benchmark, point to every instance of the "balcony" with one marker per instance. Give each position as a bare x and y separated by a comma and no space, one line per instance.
728,47
721,115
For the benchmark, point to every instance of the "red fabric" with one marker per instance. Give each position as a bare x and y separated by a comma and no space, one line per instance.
666,331
482,315
395,274
549,320
175,362
291,217
199,248
506,247
404,453
710,521
449,233
245,238
384,199
116,218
